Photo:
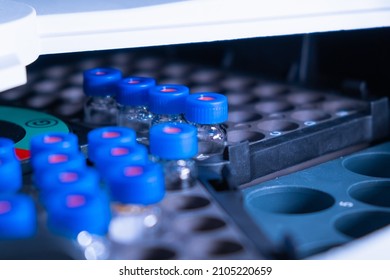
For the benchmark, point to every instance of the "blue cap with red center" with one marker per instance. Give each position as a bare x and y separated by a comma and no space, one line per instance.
101,81
206,108
168,99
141,184
69,213
51,159
108,136
67,179
134,91
18,217
10,168
173,141
116,154
54,141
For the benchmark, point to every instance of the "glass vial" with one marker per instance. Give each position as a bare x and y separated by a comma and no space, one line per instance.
111,155
208,111
167,102
133,105
83,217
136,190
175,145
100,87
108,136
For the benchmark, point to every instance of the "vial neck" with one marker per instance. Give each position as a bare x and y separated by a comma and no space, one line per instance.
179,174
101,98
163,118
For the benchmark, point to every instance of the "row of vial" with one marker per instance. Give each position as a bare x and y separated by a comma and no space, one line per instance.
111,197
139,103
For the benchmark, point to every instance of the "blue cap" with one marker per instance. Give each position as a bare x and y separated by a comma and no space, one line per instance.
11,178
69,213
18,217
134,91
7,148
115,154
54,141
109,135
101,81
10,168
173,141
68,179
137,183
168,99
52,159
206,108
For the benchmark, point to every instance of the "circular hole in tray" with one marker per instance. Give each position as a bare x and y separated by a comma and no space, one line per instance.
243,116
72,94
174,80
239,98
158,253
13,94
298,98
41,101
223,247
269,90
176,69
358,224
236,82
187,202
309,115
205,88
45,87
374,165
289,200
205,76
270,107
200,224
56,72
373,192
148,63
343,107
277,125
237,136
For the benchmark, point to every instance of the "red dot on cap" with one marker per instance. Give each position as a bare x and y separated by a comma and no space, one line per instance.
57,158
168,89
110,134
206,98
171,130
5,206
100,73
68,177
119,151
133,81
74,201
133,171
52,139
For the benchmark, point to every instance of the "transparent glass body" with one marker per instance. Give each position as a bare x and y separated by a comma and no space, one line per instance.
131,223
94,247
179,174
212,140
164,118
138,118
100,110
